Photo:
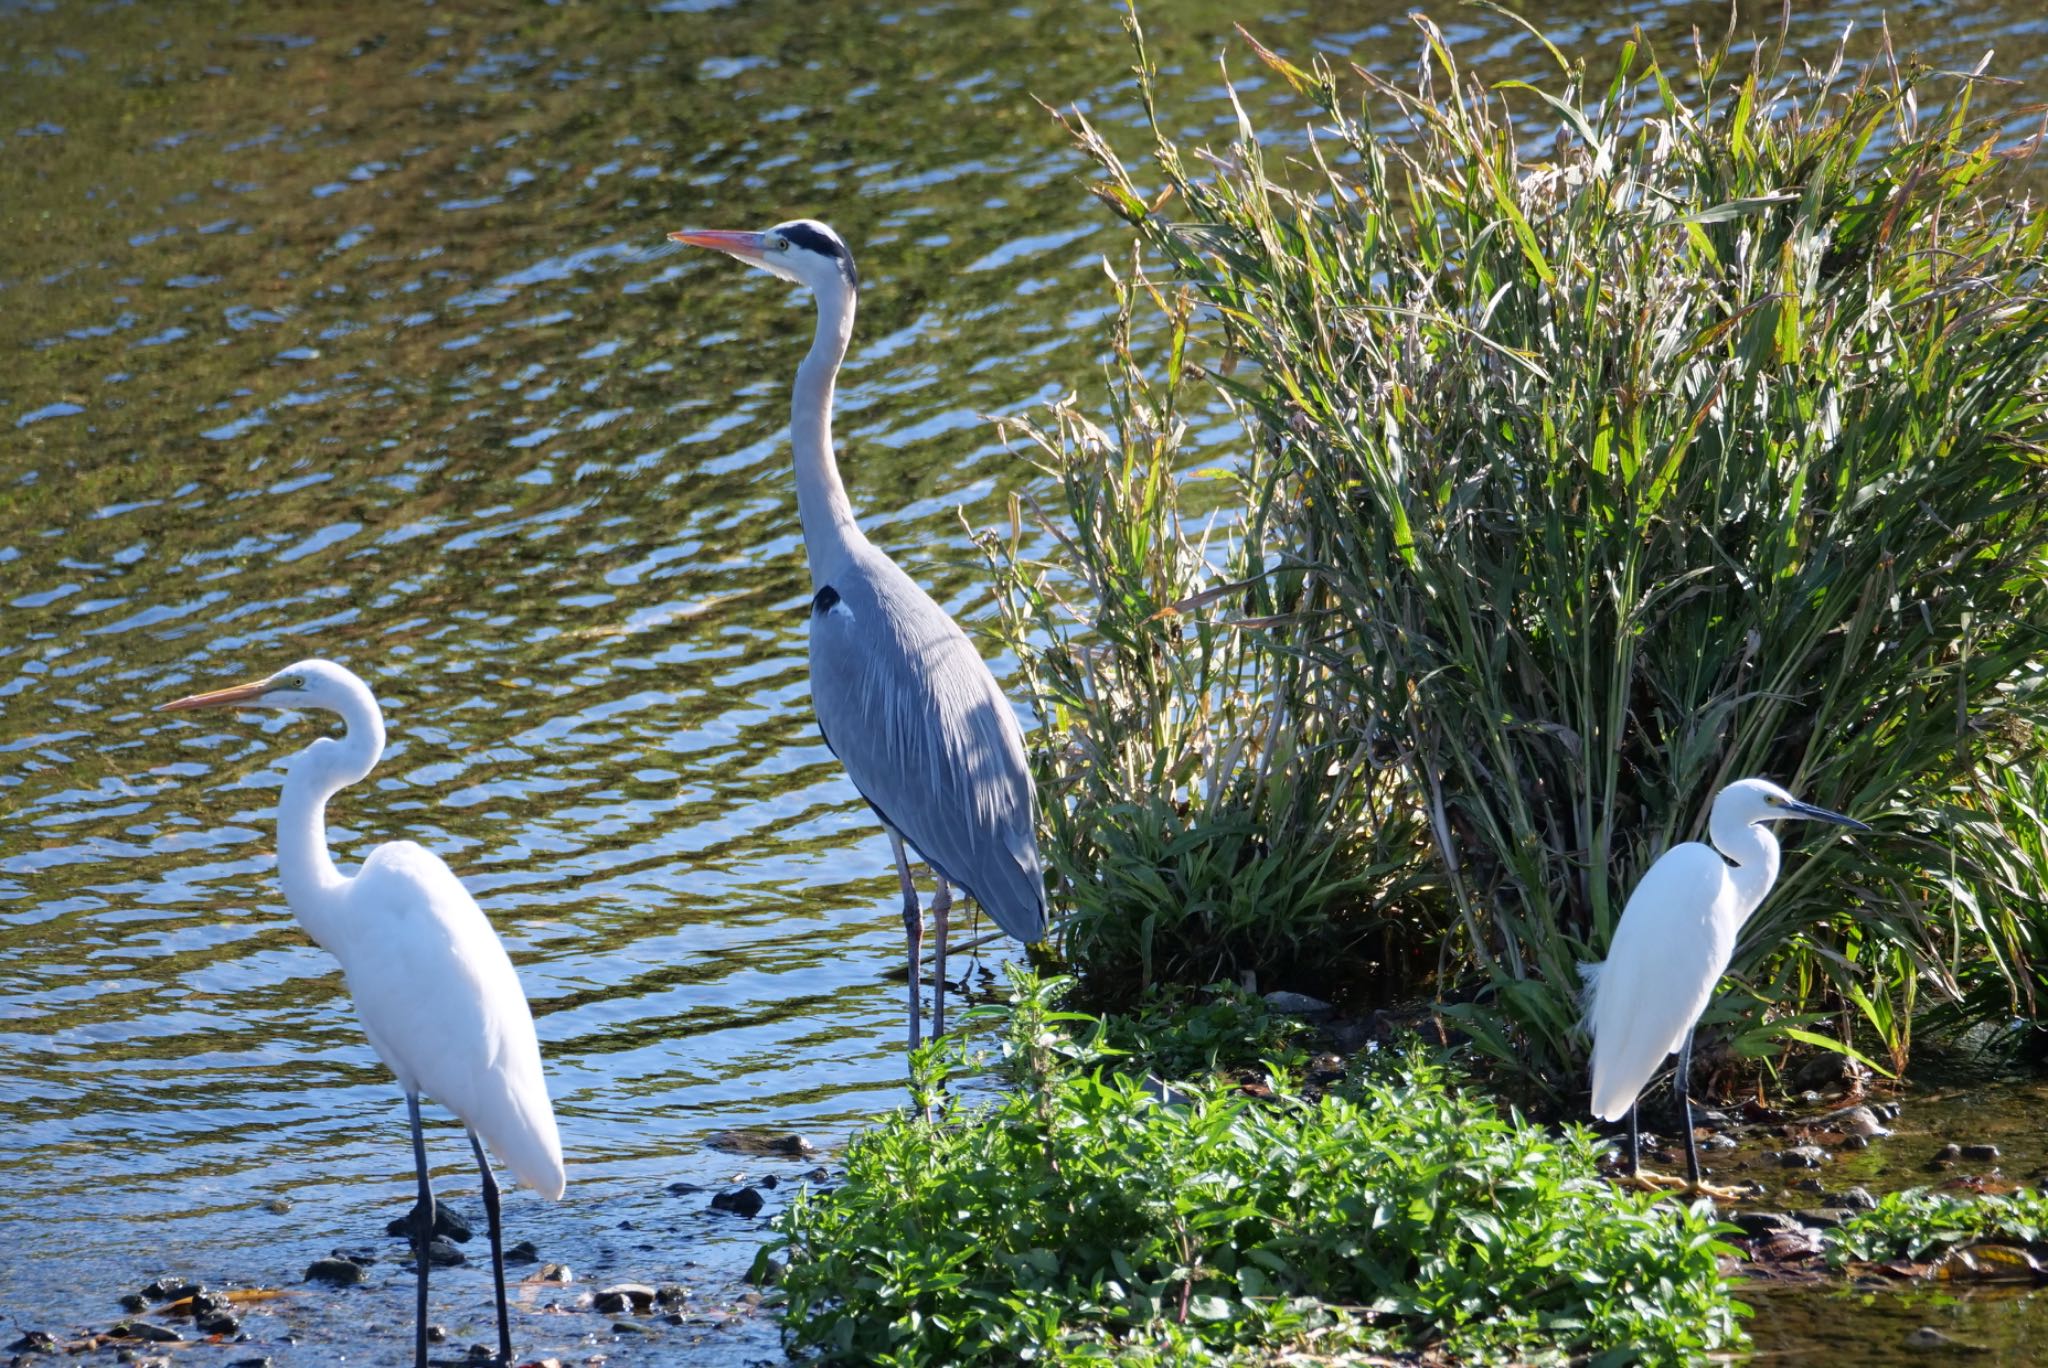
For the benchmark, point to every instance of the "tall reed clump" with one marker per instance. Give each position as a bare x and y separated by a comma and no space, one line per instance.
1614,444
1206,812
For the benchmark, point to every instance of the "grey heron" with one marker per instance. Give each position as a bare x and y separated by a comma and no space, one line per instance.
1676,936
436,992
902,697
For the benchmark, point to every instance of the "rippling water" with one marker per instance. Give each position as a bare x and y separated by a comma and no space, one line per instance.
347,331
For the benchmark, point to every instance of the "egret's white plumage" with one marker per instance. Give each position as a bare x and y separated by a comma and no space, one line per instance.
1676,936
902,697
436,992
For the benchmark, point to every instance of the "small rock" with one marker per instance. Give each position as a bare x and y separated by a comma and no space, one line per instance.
1980,1153
277,1206
340,1272
437,1334
630,1328
480,1353
1757,1223
260,1361
218,1323
1812,1185
1855,1142
172,1289
448,1224
1801,1156
1828,1217
1859,1199
1927,1337
771,1182
1787,1244
1856,1121
817,1175
133,1301
671,1294
555,1273
683,1189
1297,1005
144,1330
34,1342
522,1253
767,1272
754,1142
744,1201
625,1297
1948,1153
1718,1142
441,1254
1887,1111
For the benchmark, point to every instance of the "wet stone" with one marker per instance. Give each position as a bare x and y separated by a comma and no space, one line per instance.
441,1254
1980,1153
522,1253
744,1201
172,1289
340,1272
771,1182
218,1323
1859,1199
1861,1121
683,1189
144,1330
1718,1142
555,1272
34,1342
277,1206
1948,1153
1298,1005
625,1327
790,1146
1812,1185
1801,1156
671,1294
1828,1217
1855,1142
448,1224
1756,1223
133,1301
768,1272
625,1297
260,1361
817,1175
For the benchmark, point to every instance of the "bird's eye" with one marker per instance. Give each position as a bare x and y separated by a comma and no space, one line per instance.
778,244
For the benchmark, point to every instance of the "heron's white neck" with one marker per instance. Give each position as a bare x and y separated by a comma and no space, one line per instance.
312,885
829,529
1754,851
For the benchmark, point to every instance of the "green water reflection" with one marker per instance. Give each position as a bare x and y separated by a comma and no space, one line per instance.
348,330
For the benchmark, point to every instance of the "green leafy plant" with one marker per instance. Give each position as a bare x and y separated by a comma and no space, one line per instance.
1917,1222
1609,444
1078,1219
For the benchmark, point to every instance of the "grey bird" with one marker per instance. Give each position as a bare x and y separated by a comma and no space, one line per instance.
902,697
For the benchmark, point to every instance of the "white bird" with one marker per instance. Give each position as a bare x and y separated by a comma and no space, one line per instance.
902,697
436,992
1672,946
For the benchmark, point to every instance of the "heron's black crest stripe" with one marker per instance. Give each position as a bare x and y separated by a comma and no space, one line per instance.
811,240
823,601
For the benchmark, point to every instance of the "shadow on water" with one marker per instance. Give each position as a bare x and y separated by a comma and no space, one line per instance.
351,331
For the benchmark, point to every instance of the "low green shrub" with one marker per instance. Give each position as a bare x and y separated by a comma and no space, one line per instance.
1076,1219
1178,1032
1917,1222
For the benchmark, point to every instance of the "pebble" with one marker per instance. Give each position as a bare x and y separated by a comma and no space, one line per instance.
1859,1199
671,1294
754,1142
818,1174
172,1289
133,1301
218,1323
1855,1142
555,1273
448,1224
144,1330
34,1342
440,1254
1828,1217
630,1328
340,1272
744,1201
277,1206
1861,1121
1718,1142
683,1189
522,1253
1980,1152
1756,1223
1812,1185
771,1182
1801,1156
625,1297
1948,1153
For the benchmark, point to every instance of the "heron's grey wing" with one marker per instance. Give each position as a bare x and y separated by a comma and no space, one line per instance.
910,708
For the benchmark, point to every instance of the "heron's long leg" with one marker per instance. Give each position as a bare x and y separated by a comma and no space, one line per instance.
483,1166
422,1227
1635,1144
942,906
1682,1084
913,930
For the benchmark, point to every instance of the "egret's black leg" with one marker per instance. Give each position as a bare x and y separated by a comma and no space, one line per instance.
1682,1084
483,1167
422,1227
1635,1144
913,932
942,906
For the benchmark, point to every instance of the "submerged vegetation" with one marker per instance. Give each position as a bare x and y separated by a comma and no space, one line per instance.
1078,1218
1603,445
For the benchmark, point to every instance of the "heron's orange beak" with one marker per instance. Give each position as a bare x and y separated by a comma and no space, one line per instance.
219,698
743,246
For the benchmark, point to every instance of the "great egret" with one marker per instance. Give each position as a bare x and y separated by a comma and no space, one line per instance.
902,698
436,992
1672,946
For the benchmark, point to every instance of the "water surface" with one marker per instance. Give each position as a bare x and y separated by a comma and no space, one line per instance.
348,331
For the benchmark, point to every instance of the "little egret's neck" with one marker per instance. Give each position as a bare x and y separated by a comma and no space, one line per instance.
312,885
1754,851
829,528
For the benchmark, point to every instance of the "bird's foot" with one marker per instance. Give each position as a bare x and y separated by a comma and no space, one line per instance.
1670,1182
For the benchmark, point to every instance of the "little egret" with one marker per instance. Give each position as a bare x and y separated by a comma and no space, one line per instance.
902,697
1676,935
436,992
